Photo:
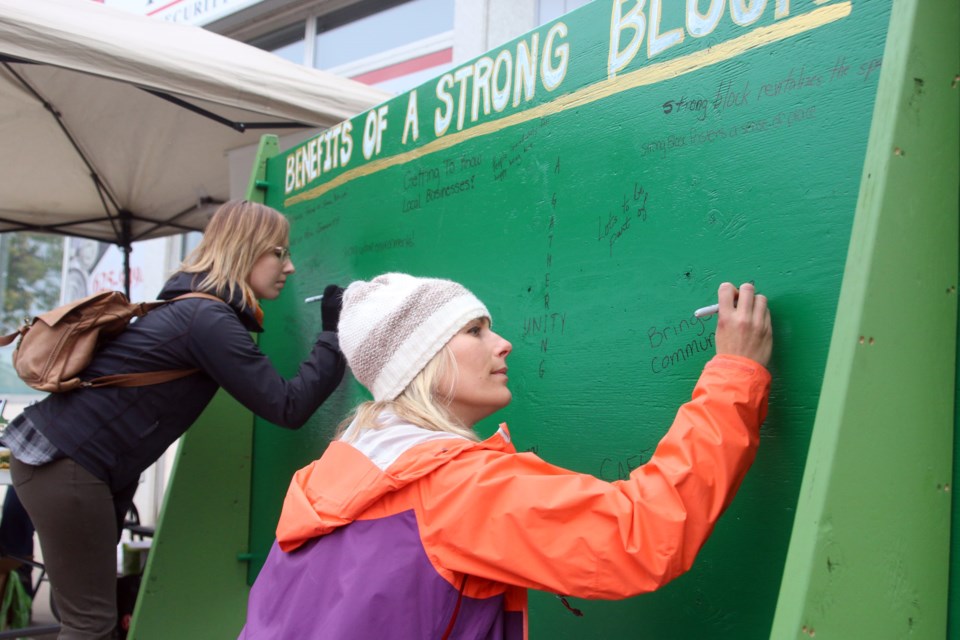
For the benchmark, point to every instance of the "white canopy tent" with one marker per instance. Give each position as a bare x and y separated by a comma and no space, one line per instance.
115,126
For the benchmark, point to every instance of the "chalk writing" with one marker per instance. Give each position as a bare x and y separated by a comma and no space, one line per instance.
317,206
792,82
729,97
694,137
840,69
680,340
431,183
334,198
524,143
420,176
663,145
639,204
464,163
381,245
411,204
661,363
697,106
443,191
296,214
619,469
868,68
546,323
775,122
612,228
633,206
659,336
549,323
320,229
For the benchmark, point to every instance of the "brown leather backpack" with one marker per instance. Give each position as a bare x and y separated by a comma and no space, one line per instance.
56,346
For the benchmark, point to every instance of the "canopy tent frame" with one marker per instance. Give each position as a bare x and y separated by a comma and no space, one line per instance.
121,218
93,160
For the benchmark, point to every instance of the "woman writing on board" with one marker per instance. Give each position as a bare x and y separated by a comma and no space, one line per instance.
77,456
409,526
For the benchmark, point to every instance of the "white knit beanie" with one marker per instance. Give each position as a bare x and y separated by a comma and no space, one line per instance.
392,326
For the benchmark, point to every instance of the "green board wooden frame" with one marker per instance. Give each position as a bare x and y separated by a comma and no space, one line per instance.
639,154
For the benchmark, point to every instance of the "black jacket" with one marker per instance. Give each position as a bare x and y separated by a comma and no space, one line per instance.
115,433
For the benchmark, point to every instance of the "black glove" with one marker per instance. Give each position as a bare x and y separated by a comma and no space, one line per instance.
330,307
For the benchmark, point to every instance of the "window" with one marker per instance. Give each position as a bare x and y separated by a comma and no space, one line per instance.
289,43
382,31
552,9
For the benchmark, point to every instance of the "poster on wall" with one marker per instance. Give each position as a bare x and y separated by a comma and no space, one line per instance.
91,266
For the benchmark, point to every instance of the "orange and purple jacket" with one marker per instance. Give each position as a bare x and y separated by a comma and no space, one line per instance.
407,533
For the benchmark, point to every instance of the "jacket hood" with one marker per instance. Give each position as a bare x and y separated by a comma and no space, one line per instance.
351,476
181,283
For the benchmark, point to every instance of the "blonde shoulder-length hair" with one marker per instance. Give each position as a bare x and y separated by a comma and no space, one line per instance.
236,236
424,403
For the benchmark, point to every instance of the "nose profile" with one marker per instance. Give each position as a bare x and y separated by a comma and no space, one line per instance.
504,348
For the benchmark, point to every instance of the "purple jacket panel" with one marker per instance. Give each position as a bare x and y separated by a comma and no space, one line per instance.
343,586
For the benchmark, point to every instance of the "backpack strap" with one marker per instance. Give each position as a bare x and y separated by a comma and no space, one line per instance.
145,307
137,379
195,294
5,340
147,377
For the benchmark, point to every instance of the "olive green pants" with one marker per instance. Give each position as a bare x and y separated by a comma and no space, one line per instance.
78,522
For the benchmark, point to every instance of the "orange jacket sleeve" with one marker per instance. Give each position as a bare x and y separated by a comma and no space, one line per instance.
515,519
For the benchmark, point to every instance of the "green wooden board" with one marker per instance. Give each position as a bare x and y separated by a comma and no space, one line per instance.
593,212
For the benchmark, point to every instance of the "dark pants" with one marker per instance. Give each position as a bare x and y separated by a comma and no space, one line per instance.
16,536
78,521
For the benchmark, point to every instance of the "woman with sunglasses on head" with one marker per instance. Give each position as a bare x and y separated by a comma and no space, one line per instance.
77,456
410,526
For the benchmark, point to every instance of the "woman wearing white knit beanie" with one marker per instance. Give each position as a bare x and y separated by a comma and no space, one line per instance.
409,526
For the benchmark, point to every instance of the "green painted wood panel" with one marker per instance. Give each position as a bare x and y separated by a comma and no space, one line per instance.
194,585
869,555
593,211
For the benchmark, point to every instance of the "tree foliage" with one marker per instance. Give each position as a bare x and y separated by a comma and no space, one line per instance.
32,265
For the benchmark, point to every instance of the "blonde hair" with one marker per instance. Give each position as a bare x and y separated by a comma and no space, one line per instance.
236,236
423,403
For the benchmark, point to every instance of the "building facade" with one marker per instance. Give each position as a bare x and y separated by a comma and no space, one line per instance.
392,44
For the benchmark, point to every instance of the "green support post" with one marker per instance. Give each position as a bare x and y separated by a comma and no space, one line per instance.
257,188
869,553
